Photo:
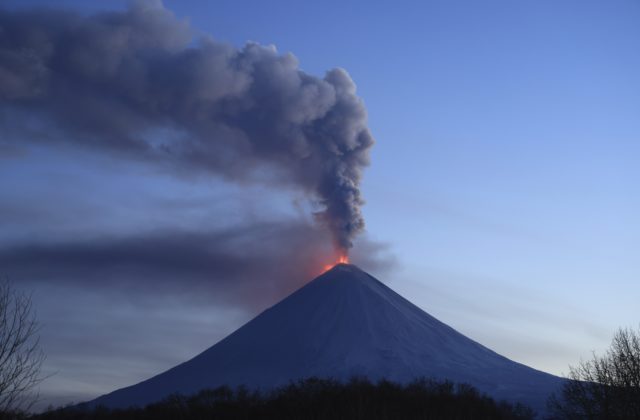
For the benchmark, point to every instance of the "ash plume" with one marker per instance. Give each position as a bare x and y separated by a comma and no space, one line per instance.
239,265
141,84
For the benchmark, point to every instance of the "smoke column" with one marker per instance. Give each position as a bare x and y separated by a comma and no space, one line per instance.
141,84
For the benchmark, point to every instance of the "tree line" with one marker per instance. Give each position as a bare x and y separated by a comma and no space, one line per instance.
317,399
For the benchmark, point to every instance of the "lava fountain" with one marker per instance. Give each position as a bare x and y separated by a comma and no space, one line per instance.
342,259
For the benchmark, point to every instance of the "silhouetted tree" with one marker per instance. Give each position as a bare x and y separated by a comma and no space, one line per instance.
605,387
20,354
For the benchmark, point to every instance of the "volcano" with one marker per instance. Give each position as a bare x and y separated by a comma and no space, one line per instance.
342,324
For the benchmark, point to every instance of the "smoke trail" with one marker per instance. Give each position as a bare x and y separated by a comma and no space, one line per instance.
140,84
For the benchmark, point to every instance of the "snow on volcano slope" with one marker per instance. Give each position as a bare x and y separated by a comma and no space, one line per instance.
343,323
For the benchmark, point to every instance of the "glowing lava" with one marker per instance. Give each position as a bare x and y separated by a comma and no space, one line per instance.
342,259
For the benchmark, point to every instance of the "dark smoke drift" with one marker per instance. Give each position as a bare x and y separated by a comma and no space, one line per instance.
139,84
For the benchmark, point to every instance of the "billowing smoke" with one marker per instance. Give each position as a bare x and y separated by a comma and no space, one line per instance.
140,84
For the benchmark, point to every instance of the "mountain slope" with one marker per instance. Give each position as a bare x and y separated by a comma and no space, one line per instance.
343,323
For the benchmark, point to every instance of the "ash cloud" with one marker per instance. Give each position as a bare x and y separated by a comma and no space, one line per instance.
246,266
140,84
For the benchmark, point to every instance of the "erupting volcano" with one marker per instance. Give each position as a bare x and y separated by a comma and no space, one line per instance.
344,323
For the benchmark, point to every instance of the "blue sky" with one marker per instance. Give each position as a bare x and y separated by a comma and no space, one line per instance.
503,182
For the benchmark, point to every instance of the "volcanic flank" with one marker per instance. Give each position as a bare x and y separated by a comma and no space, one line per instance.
343,323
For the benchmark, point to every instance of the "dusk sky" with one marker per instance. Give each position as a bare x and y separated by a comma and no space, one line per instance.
501,195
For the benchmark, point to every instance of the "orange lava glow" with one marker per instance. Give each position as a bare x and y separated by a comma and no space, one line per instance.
342,259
